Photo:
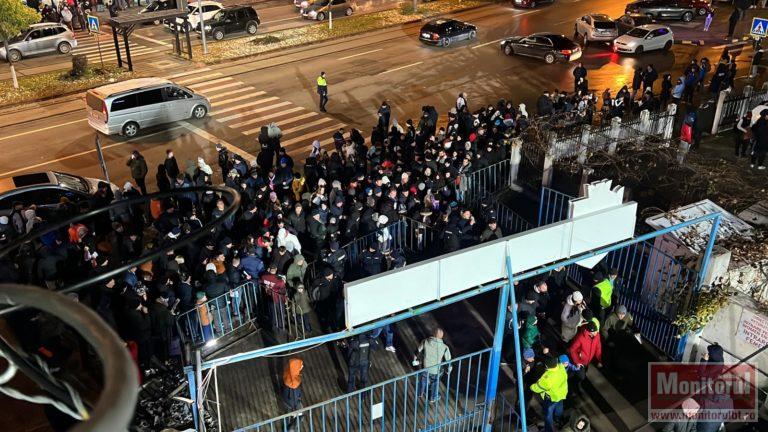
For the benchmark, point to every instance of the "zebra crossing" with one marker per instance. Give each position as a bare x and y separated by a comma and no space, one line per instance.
86,44
246,109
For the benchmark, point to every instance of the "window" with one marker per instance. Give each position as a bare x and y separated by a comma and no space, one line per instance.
542,41
51,31
124,103
661,32
337,2
37,34
175,93
210,8
93,101
150,97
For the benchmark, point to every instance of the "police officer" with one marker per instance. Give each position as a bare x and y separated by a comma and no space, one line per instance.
336,258
322,90
359,360
602,293
372,260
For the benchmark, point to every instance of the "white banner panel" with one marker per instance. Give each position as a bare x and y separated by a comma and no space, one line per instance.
472,267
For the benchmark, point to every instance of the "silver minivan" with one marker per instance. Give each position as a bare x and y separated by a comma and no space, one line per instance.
129,106
39,38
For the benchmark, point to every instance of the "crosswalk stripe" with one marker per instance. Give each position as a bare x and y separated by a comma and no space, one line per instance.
251,111
212,89
281,122
236,91
239,98
294,129
190,80
181,74
207,83
303,138
95,57
262,119
105,48
244,105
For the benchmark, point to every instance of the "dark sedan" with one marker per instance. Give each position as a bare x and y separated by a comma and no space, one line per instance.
443,32
666,9
549,47
531,3
627,22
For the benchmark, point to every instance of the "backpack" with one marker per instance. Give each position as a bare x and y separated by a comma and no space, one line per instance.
690,118
686,133
273,131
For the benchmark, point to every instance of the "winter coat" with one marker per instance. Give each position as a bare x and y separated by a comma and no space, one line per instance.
553,385
529,334
570,319
613,323
433,352
290,241
296,271
584,348
138,167
292,373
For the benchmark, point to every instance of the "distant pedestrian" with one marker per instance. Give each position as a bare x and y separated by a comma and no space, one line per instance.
732,21
432,351
171,166
579,72
585,348
292,383
139,170
322,90
708,19
384,116
666,90
553,388
742,135
637,81
757,58
602,293
358,361
760,133
461,102
649,77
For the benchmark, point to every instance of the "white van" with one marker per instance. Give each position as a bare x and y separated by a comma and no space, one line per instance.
129,106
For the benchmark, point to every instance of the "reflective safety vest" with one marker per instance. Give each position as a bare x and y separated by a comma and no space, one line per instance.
553,384
321,82
606,291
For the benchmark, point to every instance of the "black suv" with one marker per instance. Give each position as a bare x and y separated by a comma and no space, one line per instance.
232,20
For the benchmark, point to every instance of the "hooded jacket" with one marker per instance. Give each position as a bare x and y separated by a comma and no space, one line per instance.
290,241
553,384
585,348
529,334
292,373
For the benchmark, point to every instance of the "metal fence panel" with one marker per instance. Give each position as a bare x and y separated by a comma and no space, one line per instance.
481,184
553,206
221,315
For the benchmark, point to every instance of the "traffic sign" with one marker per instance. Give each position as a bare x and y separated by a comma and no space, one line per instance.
759,27
93,24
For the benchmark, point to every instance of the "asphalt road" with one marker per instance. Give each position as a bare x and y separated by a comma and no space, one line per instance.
362,71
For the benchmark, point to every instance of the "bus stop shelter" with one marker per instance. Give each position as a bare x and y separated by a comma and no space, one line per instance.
125,23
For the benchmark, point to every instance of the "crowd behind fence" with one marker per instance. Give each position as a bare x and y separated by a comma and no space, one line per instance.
734,106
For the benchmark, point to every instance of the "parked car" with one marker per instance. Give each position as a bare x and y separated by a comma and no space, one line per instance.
547,46
129,106
45,190
209,8
233,20
319,9
627,22
43,38
701,6
158,6
664,9
647,37
531,3
595,28
443,32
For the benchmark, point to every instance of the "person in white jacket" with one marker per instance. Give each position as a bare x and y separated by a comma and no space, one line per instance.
290,241
570,318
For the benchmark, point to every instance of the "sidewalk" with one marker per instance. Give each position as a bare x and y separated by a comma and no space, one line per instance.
693,33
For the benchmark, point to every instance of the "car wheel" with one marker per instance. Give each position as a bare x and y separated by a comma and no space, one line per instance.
549,58
14,55
445,42
64,47
508,50
130,129
218,34
251,27
199,111
701,11
321,16
472,34
687,17
348,12
668,46
639,50
156,22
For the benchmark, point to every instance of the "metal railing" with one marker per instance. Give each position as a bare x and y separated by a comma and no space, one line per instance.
736,105
405,402
553,206
221,315
481,184
509,221
285,315
506,416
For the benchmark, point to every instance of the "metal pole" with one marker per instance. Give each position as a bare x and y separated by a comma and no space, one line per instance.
202,25
101,157
495,361
98,44
516,331
193,394
218,401
117,47
708,252
127,50
330,19
200,396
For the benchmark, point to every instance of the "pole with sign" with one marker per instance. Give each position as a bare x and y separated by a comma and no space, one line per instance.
102,163
202,26
93,28
759,27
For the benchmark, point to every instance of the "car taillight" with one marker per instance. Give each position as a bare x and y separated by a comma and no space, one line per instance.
566,52
104,111
435,36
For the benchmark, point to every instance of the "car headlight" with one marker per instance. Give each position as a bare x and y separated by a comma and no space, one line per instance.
312,13
207,28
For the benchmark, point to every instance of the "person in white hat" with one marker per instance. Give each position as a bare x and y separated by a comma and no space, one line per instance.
570,318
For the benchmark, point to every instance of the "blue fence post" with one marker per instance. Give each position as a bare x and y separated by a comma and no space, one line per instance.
193,394
708,252
498,338
516,331
541,206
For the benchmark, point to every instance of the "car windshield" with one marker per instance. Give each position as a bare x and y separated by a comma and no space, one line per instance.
17,38
219,15
71,182
153,6
191,9
637,32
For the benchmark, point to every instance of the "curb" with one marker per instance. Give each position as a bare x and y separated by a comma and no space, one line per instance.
702,42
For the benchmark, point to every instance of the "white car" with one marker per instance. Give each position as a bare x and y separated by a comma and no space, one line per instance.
647,37
210,8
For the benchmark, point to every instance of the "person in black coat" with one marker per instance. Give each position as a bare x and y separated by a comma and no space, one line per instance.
760,134
138,328
171,167
637,81
579,72
649,77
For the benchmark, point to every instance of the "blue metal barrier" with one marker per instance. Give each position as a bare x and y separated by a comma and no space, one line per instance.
400,403
483,183
553,206
506,418
509,221
221,315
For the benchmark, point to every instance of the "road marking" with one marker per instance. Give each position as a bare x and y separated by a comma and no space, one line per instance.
282,122
312,134
307,125
213,138
231,92
181,74
190,80
401,68
488,43
260,119
278,20
244,113
83,153
239,98
232,84
152,40
359,54
41,129
207,83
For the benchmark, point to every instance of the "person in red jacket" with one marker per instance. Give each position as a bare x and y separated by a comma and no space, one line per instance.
585,347
274,288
